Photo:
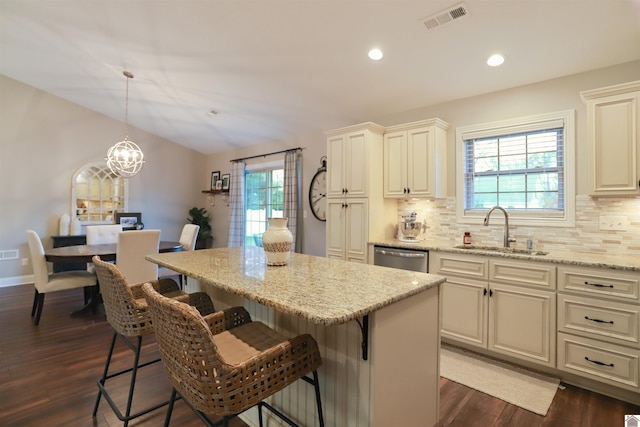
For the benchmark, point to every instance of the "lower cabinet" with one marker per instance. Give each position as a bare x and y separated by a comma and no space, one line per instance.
599,325
582,321
508,307
347,229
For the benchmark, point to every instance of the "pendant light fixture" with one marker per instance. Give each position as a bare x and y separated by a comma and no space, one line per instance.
125,158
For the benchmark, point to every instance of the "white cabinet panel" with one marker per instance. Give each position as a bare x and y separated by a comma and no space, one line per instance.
613,130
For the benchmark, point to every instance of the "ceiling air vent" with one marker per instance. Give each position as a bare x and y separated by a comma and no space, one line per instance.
444,17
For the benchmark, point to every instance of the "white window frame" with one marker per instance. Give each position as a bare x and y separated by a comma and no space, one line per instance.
521,124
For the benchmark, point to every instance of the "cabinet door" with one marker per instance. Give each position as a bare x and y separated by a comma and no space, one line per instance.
395,164
613,140
420,163
522,323
356,226
464,311
356,169
335,165
335,228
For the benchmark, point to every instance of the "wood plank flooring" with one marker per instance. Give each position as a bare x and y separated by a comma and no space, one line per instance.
48,377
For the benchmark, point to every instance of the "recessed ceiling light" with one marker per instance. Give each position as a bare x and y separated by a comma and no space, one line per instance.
375,54
495,60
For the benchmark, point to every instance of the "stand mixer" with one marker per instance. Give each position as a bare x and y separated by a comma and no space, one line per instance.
409,229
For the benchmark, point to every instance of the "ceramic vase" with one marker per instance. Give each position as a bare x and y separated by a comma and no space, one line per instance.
276,241
63,224
75,229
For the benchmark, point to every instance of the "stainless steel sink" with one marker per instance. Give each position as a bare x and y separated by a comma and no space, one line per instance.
501,250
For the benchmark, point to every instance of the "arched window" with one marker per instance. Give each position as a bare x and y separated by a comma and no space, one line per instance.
97,194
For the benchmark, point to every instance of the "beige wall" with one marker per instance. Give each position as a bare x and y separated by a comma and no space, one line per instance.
549,96
314,148
45,139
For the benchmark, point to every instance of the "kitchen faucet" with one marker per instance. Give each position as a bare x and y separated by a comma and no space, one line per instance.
507,239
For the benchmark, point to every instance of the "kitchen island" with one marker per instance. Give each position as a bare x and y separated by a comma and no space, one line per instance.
377,328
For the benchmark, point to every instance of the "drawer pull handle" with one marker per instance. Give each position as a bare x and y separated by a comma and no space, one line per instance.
598,285
598,320
598,362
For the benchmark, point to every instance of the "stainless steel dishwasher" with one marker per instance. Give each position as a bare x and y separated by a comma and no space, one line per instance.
405,259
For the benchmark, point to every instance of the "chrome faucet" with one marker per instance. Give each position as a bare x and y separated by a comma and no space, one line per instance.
507,239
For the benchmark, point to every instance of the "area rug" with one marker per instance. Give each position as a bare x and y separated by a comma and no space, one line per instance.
528,390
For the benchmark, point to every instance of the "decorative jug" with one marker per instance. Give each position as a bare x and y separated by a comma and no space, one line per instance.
276,241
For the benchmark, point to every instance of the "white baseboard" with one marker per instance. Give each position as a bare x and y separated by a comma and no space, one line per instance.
15,281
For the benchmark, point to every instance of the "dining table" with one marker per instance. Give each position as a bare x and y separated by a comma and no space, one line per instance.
82,254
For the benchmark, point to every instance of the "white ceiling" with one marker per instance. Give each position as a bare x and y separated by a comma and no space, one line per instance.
274,69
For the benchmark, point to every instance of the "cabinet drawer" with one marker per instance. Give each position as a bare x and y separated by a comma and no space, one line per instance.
463,266
523,273
607,320
608,363
619,285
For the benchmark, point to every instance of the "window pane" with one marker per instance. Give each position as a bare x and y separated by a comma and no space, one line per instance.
264,198
486,164
485,201
543,200
512,200
518,161
485,184
542,181
512,183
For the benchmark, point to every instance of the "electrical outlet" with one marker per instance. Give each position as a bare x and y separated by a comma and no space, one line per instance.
614,223
25,262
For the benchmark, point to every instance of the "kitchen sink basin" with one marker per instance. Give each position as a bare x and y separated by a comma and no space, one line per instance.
500,249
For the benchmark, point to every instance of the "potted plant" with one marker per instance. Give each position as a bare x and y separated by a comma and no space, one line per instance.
199,216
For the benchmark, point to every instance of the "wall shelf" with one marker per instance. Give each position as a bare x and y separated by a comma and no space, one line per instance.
211,195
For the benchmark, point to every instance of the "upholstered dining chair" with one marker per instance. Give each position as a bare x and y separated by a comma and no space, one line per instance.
133,246
46,282
126,310
223,364
188,239
100,235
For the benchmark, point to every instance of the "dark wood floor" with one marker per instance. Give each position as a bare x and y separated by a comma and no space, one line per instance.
48,377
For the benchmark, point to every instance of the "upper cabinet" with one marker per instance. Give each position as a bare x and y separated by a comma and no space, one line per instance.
415,159
613,131
350,163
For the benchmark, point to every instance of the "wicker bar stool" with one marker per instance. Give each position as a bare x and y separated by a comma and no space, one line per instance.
128,314
223,364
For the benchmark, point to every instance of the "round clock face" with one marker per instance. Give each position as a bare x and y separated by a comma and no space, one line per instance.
318,195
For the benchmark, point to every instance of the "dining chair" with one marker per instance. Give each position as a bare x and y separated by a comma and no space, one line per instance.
127,312
46,282
222,364
100,235
188,239
133,246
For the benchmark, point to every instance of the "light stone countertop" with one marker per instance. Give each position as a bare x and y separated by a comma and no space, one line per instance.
321,290
627,262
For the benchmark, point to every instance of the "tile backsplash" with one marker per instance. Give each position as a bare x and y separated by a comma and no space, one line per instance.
586,236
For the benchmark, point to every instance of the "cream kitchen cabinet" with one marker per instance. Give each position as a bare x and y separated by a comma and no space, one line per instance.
599,325
613,132
356,209
505,306
415,158
347,229
353,160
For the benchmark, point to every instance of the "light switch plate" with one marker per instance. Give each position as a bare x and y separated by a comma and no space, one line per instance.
614,222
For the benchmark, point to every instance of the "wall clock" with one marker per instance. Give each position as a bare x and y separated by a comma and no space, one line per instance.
318,192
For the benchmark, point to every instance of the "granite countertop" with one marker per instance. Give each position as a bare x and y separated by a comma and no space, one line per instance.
321,290
630,262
